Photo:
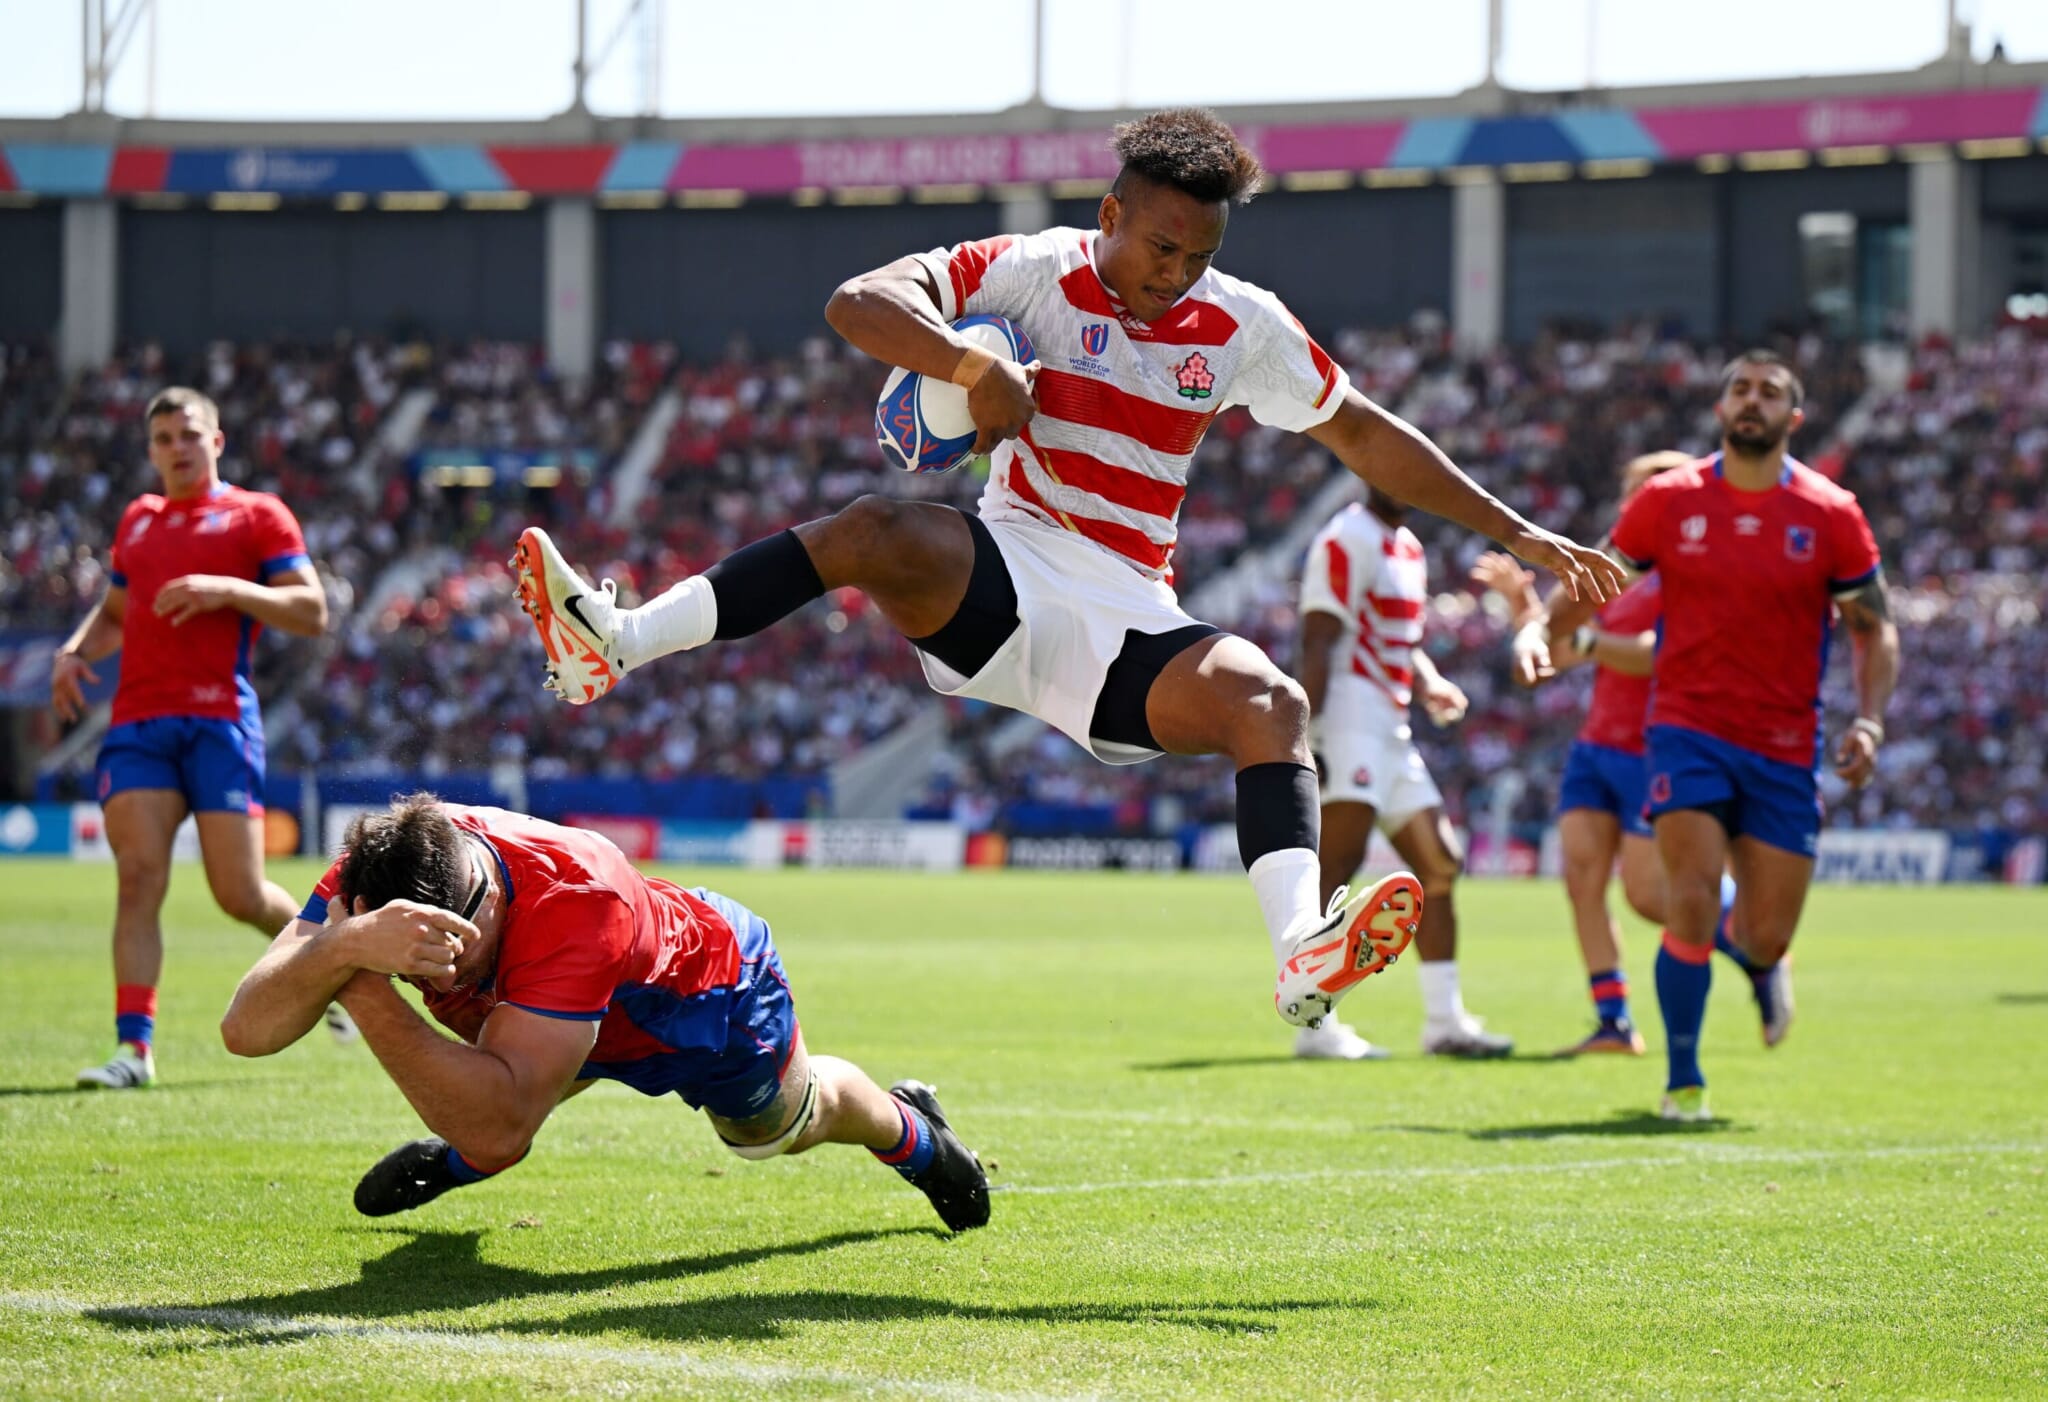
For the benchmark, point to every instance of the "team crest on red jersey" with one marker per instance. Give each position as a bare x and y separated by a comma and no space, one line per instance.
1194,376
1095,337
1799,543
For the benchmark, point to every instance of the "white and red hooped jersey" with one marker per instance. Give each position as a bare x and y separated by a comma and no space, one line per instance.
1122,403
1374,577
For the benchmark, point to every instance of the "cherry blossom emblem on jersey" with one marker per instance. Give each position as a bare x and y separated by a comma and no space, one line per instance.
1194,377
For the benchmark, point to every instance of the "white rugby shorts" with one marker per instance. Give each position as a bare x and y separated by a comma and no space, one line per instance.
1075,602
1365,753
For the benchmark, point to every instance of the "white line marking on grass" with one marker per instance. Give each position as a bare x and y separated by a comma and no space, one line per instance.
489,1345
1703,1157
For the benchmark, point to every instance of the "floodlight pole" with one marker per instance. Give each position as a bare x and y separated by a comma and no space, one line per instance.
102,43
1038,53
1494,30
581,67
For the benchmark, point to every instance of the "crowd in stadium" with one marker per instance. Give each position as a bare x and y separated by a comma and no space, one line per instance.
429,656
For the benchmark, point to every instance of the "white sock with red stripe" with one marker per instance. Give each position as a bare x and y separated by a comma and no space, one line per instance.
684,616
1286,883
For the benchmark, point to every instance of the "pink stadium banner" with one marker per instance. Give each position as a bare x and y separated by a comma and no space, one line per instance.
1684,132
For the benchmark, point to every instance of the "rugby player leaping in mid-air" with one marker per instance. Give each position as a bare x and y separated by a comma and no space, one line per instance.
1054,600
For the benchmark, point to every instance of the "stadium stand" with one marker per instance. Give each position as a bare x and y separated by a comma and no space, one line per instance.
429,659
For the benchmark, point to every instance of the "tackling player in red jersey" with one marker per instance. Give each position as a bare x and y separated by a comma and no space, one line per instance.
558,964
1054,600
1757,555
197,573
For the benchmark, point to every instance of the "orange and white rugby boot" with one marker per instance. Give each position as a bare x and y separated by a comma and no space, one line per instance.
1361,933
577,624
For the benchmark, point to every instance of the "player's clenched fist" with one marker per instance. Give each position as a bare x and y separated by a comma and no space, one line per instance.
403,938
1001,402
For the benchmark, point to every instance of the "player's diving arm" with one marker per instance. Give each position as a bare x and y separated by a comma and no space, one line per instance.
488,1100
281,999
1390,454
893,314
1874,638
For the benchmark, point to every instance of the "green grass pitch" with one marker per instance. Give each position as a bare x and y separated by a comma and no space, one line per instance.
1183,1210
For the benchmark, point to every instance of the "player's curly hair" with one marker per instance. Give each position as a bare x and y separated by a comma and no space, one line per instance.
411,851
1191,149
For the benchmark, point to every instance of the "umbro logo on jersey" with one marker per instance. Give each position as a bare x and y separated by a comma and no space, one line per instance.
1748,525
1095,337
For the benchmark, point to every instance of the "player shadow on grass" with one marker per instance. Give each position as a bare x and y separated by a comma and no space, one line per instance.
438,1271
1210,1063
1620,1123
159,1089
446,1270
2024,1000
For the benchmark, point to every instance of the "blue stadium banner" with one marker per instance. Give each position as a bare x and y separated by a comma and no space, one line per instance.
35,830
300,170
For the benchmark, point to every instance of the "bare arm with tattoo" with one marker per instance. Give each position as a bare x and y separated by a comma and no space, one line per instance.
1867,613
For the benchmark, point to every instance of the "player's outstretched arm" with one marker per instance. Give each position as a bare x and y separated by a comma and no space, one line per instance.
95,640
893,313
1874,638
487,1100
283,997
1390,454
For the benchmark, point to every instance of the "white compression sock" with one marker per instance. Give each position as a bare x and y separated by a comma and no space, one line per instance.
685,616
1285,882
1441,1001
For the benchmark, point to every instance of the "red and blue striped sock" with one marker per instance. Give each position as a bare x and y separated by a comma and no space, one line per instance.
1684,974
1610,996
135,1014
912,1153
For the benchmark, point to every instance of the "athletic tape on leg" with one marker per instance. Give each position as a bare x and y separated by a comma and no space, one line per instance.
781,1143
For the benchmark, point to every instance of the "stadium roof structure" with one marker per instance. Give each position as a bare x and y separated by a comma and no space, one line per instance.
1980,111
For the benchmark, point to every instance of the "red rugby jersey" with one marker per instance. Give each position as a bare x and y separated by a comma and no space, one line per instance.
1750,580
582,923
199,667
1620,705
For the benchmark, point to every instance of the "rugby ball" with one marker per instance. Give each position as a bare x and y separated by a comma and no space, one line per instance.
922,423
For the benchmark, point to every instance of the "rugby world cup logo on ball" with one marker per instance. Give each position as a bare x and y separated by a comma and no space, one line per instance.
922,423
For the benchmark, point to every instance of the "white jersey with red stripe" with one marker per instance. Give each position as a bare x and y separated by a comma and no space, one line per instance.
1123,403
1374,577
